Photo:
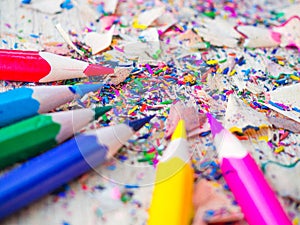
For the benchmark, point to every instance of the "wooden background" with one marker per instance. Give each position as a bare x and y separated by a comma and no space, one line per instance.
24,28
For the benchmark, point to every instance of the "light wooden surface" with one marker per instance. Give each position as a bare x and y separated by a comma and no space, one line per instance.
17,26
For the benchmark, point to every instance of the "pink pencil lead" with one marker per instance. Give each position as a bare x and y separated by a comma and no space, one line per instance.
215,126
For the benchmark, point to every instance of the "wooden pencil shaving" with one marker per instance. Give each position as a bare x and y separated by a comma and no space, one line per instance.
257,37
285,123
46,6
192,40
86,12
119,76
288,95
275,70
209,197
193,120
212,29
164,22
147,17
279,175
240,118
285,101
99,42
110,6
289,32
293,10
66,37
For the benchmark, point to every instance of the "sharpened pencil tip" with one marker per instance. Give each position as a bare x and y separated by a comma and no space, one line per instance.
138,124
215,126
99,111
180,131
83,89
97,70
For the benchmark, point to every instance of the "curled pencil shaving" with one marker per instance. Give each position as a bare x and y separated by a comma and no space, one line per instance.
289,114
285,123
212,205
193,120
45,6
145,47
293,10
164,22
190,39
119,76
110,6
284,178
151,37
212,30
99,42
56,48
216,82
230,63
254,88
287,95
106,22
66,37
147,17
285,101
87,14
257,36
275,70
240,117
288,33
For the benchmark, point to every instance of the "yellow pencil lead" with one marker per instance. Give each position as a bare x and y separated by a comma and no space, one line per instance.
180,131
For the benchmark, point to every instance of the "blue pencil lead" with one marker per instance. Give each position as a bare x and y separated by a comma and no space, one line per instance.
85,88
137,124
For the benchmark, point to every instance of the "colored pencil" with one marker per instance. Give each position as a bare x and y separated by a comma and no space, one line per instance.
246,181
21,103
34,66
29,137
48,171
173,189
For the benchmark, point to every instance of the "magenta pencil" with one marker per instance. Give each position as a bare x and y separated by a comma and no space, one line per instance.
245,179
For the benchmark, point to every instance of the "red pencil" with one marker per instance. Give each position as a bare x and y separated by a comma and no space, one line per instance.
34,66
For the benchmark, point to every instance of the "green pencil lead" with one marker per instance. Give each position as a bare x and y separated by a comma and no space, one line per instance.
99,111
167,102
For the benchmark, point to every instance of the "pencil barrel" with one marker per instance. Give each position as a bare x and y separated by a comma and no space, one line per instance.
27,138
45,173
22,66
16,105
252,192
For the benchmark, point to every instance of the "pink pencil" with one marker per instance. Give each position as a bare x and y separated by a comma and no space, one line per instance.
246,181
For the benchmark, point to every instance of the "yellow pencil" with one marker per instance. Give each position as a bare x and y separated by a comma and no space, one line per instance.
172,195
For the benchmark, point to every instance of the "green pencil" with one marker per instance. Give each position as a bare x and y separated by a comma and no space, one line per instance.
32,136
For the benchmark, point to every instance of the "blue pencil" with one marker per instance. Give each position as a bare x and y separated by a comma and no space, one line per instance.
43,174
21,103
